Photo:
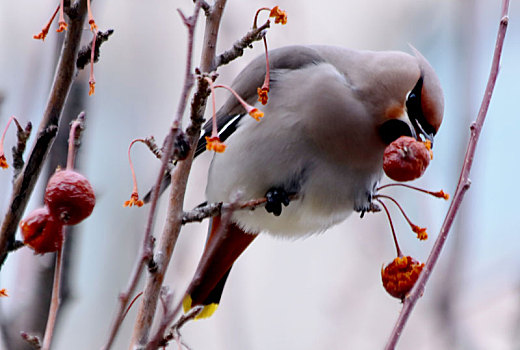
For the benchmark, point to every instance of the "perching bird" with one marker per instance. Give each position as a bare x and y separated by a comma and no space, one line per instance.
331,113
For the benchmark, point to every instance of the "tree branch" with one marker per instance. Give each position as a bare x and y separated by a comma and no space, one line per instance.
237,50
462,187
202,212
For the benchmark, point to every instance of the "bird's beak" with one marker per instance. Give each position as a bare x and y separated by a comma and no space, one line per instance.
418,132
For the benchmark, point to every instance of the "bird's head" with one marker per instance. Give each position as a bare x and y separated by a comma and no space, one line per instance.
424,107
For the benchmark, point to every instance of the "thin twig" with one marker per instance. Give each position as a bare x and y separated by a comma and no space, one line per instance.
200,213
162,339
212,209
24,184
55,300
77,126
240,45
462,187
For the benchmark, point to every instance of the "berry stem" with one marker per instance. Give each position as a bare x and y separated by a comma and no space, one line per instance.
257,13
267,78
45,28
414,227
438,194
3,162
61,19
244,104
55,300
399,252
3,134
92,79
134,178
91,21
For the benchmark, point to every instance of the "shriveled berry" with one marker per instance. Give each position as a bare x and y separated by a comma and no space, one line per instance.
406,159
69,196
400,276
42,232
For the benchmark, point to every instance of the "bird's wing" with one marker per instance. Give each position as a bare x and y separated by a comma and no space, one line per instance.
251,78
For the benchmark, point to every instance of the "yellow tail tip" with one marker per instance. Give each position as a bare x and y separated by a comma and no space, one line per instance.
186,303
207,310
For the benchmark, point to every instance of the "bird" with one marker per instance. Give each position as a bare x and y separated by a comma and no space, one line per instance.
317,153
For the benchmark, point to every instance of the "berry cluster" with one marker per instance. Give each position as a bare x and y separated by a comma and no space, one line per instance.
69,199
405,159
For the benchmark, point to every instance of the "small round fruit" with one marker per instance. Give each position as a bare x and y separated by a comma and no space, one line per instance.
400,276
406,159
69,196
41,231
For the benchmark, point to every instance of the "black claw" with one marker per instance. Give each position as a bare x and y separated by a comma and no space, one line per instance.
368,207
275,198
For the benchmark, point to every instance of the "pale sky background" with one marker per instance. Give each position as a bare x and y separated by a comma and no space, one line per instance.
323,292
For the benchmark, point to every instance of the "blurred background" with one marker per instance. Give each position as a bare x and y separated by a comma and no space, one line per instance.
323,292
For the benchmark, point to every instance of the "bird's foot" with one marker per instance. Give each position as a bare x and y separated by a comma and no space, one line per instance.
275,198
368,207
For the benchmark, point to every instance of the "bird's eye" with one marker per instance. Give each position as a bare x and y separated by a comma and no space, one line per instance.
413,101
392,129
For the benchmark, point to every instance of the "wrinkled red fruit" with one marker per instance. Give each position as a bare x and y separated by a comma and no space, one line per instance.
41,231
400,276
69,196
406,159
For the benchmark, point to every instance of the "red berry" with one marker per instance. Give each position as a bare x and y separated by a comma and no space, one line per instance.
41,231
406,159
400,276
69,196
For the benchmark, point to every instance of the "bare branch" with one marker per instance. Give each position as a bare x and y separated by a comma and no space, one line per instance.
210,36
202,212
237,50
461,190
160,340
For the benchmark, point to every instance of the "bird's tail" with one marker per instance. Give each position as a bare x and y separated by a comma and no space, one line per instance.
223,247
